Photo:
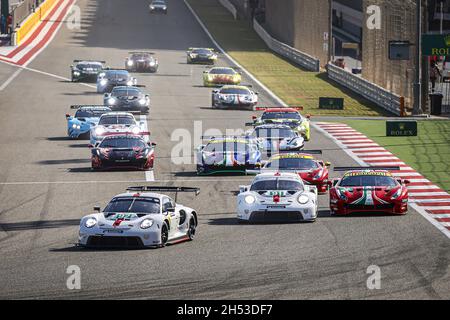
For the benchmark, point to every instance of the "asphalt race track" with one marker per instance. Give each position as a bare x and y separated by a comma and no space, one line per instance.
46,186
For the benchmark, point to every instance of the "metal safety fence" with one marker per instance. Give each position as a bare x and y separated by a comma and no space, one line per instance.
378,95
305,60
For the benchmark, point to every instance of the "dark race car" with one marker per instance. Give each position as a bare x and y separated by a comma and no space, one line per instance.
275,138
125,152
157,6
86,70
141,62
128,99
368,189
201,56
109,79
312,171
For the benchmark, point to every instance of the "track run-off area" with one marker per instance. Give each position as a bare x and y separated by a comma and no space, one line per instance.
46,186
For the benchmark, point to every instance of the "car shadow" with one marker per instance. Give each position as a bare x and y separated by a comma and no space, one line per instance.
76,248
62,161
36,225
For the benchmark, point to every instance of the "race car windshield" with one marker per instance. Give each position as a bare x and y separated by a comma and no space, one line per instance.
202,51
293,164
281,115
125,92
125,120
117,74
274,133
234,91
222,71
277,184
132,205
140,56
368,181
229,146
122,143
89,113
83,66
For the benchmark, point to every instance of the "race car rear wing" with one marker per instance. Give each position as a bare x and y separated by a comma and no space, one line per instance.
138,52
195,190
299,108
101,61
366,168
224,137
78,106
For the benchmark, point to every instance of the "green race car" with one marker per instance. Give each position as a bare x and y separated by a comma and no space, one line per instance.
201,55
287,116
86,70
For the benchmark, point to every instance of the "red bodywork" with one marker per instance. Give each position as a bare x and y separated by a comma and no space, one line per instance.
386,199
316,176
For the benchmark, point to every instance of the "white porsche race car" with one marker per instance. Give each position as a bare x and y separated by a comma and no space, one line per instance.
140,218
234,97
116,123
277,197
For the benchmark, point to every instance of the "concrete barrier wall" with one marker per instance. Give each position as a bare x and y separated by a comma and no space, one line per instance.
303,24
30,23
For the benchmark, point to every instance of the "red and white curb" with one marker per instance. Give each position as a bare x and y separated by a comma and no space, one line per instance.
426,198
39,38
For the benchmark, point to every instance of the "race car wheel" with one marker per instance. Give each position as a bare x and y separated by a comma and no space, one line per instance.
200,169
164,234
191,229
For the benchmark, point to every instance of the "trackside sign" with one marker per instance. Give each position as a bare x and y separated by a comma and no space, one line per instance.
401,128
436,44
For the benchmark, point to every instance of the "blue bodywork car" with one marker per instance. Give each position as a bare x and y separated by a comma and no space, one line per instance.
85,117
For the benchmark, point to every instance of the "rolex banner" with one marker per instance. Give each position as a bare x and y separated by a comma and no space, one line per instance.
401,128
436,44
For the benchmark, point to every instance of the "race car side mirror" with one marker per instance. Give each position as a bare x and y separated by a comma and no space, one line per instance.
406,181
327,164
308,116
67,116
254,117
152,144
105,95
90,145
97,208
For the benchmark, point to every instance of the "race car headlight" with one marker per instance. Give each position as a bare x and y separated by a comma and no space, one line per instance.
130,63
76,73
214,57
135,130
152,63
130,83
103,82
147,223
99,131
101,74
111,100
142,101
250,199
193,55
302,199
75,126
91,222
152,7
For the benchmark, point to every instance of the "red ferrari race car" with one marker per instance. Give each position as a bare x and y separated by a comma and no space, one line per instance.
312,171
368,189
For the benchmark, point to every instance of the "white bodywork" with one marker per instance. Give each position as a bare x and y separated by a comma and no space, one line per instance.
177,220
100,131
277,205
221,99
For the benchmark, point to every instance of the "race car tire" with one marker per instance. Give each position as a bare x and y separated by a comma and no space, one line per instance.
200,169
164,234
145,110
242,221
191,229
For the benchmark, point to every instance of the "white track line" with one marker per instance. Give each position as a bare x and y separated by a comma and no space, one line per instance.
149,175
10,79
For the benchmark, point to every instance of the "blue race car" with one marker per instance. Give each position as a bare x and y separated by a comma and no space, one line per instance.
227,154
85,117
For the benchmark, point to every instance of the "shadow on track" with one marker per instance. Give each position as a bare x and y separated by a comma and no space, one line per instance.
35,225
